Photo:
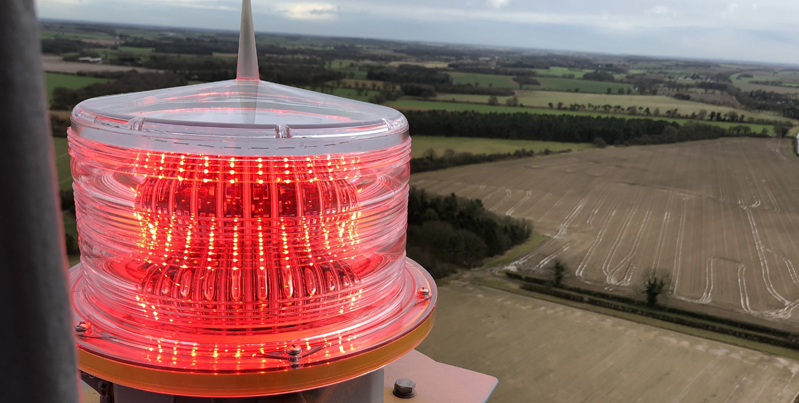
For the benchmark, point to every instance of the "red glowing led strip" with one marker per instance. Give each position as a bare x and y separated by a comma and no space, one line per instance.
217,230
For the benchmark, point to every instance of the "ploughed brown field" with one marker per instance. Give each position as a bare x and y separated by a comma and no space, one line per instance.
719,217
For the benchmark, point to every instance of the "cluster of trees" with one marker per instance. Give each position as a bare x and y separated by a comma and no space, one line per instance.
131,81
418,90
447,233
408,73
473,90
713,86
770,100
599,76
430,161
59,125
525,80
59,46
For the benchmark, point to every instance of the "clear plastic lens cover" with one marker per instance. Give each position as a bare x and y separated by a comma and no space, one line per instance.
222,225
239,118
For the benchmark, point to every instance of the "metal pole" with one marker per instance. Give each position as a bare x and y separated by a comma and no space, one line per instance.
37,356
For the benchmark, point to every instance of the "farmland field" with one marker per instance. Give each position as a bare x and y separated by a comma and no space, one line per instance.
483,108
56,64
487,146
718,217
546,352
72,82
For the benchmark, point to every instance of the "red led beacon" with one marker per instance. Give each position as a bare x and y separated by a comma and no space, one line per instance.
242,238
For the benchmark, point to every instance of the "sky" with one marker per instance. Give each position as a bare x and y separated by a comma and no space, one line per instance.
742,30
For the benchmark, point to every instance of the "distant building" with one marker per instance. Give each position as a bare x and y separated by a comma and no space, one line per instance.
90,59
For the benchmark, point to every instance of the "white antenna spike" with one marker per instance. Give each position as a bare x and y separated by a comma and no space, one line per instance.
248,55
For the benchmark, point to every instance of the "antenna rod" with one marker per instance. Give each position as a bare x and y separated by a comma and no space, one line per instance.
248,56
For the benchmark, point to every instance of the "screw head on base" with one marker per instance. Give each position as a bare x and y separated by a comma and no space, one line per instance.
293,350
82,327
424,292
404,388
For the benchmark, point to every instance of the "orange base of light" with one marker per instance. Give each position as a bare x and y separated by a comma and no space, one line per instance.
208,384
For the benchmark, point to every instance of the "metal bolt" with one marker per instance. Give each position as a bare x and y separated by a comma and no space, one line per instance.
82,327
424,292
404,388
293,350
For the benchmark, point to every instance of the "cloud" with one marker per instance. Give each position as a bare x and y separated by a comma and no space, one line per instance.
308,11
731,8
498,3
659,10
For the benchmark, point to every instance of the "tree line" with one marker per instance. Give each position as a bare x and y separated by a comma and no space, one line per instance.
528,126
563,128
447,233
430,161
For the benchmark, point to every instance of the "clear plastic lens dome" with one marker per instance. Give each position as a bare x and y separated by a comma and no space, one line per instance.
200,254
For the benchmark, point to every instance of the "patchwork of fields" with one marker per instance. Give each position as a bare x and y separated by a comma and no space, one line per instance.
718,216
408,104
663,103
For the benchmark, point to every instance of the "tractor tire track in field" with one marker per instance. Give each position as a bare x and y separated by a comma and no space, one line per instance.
562,230
517,205
627,260
508,195
619,236
580,272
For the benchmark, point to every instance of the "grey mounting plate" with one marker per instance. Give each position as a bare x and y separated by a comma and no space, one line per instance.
435,383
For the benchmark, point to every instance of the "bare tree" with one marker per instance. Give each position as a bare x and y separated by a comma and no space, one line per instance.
655,283
558,271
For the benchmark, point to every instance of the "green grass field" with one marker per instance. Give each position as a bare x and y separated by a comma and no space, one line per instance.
55,80
458,107
559,71
135,50
543,98
554,84
486,146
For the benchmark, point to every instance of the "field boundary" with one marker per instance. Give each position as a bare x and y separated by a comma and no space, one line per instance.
729,327
514,288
